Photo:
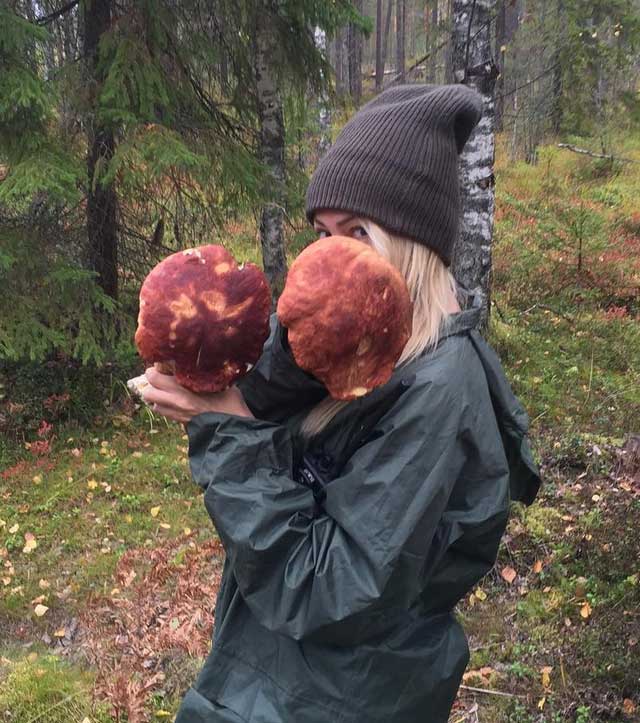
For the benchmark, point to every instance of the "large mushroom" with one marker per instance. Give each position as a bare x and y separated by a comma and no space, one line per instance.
203,317
348,314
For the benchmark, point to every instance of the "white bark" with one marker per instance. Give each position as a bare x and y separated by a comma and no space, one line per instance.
473,65
272,154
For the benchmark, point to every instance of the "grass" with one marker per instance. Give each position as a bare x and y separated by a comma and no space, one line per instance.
121,535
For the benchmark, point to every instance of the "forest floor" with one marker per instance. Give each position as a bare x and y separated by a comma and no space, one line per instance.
109,564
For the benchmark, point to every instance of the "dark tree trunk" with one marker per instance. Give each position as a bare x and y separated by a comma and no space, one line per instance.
338,63
556,89
473,65
431,39
355,58
379,34
101,197
387,31
400,38
272,145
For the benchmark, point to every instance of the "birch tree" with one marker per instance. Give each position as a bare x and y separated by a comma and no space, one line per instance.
473,65
271,152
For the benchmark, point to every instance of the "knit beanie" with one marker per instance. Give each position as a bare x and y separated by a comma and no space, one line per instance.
396,163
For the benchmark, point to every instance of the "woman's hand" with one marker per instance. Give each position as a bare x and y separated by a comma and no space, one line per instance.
165,396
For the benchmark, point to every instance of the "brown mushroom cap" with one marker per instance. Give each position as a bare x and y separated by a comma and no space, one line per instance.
204,316
348,315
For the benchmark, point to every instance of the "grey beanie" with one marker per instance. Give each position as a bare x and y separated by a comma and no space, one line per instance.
396,162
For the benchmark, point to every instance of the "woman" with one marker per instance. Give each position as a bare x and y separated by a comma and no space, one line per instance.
353,528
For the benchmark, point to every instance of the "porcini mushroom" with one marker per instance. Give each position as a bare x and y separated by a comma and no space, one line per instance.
203,317
348,314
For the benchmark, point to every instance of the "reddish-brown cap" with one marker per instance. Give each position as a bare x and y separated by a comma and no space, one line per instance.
204,316
348,315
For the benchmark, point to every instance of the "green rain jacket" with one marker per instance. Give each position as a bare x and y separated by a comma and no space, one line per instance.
346,556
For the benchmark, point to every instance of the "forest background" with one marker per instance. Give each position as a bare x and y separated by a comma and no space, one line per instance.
129,130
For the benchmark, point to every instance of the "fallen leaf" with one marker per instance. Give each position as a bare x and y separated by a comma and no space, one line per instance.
481,594
541,702
44,584
37,479
585,610
155,511
40,610
14,528
537,566
508,574
165,526
187,531
628,706
60,633
30,542
92,484
546,679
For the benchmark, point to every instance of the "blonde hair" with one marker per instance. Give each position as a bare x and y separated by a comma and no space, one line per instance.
430,285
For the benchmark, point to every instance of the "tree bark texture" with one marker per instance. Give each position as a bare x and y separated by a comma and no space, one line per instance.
272,144
473,65
355,58
101,197
400,41
387,30
379,34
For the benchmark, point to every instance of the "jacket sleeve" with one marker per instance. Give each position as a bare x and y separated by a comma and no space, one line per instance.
334,571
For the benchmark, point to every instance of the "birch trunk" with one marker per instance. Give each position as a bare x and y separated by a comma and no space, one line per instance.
271,152
473,65
324,112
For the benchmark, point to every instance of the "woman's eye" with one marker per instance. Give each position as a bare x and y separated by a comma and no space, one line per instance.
360,232
322,233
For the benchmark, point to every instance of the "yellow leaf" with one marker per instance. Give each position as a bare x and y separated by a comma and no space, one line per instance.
537,566
37,479
165,526
92,484
32,657
14,528
44,584
546,679
541,702
40,610
508,574
163,713
155,511
137,454
60,633
481,594
30,543
628,706
187,531
585,610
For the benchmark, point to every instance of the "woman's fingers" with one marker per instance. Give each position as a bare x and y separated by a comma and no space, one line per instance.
161,381
172,398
